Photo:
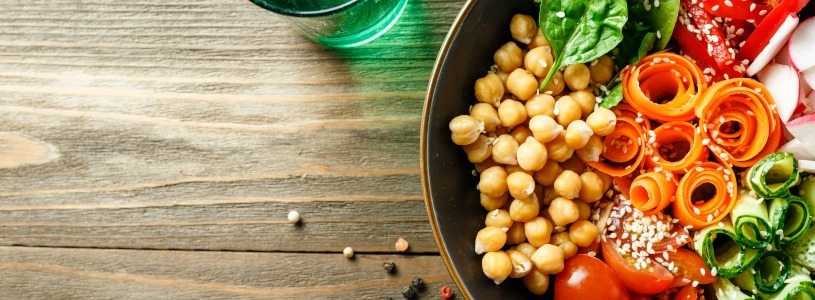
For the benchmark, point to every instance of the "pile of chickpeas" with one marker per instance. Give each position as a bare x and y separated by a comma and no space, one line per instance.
529,147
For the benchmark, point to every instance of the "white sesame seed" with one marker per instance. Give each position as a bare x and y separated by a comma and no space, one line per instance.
762,12
560,14
696,210
714,8
713,271
695,283
752,6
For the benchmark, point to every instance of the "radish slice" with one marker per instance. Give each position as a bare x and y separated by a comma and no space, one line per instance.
806,166
801,46
783,56
783,84
776,42
803,129
797,148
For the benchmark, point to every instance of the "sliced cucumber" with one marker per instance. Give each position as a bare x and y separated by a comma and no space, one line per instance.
790,218
720,248
767,276
751,221
772,176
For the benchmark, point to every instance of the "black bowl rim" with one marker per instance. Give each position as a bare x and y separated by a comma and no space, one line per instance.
431,89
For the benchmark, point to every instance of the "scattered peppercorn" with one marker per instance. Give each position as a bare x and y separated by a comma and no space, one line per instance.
402,245
446,292
348,252
389,266
417,283
294,217
408,292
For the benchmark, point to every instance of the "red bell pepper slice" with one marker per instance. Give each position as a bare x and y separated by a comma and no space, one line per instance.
737,9
741,31
691,45
767,28
716,46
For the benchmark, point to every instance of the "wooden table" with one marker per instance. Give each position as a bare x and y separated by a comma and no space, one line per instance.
152,149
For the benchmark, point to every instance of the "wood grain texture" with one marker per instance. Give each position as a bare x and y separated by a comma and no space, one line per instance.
200,125
132,133
41,273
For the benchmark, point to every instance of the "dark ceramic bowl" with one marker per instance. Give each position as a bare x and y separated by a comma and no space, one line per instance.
449,186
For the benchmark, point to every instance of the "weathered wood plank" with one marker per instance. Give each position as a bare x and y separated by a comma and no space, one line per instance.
156,125
53,273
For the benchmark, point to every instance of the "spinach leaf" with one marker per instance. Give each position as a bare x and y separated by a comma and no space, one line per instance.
613,98
580,31
661,18
638,40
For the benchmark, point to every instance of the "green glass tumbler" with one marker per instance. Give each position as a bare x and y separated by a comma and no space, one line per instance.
338,23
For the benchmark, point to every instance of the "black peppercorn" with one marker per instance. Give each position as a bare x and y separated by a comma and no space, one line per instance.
408,292
389,266
417,283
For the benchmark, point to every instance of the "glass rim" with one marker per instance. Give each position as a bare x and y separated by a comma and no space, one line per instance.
314,13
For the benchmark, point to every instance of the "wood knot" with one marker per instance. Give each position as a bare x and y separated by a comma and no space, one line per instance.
17,150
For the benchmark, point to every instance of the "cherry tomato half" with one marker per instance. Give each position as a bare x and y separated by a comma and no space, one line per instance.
690,266
687,293
585,277
648,281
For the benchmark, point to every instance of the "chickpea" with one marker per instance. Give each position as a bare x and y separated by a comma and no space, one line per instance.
504,150
574,164
503,76
489,89
520,133
564,243
522,84
493,182
586,100
584,210
525,248
493,203
479,150
499,218
538,231
567,110
489,239
607,180
549,195
465,130
591,187
583,233
577,76
521,264
521,185
487,163
578,134
556,149
538,40
497,266
555,85
509,57
548,259
515,234
592,150
568,184
523,210
602,121
546,176
544,128
522,28
511,113
486,113
563,211
539,61
603,70
531,155
516,168
536,282
540,104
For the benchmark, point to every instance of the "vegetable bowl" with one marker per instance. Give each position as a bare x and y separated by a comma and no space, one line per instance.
617,150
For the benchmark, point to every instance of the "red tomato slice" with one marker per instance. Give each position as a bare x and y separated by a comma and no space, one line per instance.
651,280
765,30
742,9
585,277
687,293
667,244
716,46
690,266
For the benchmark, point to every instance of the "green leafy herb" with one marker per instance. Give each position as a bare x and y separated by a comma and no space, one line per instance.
613,98
580,31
